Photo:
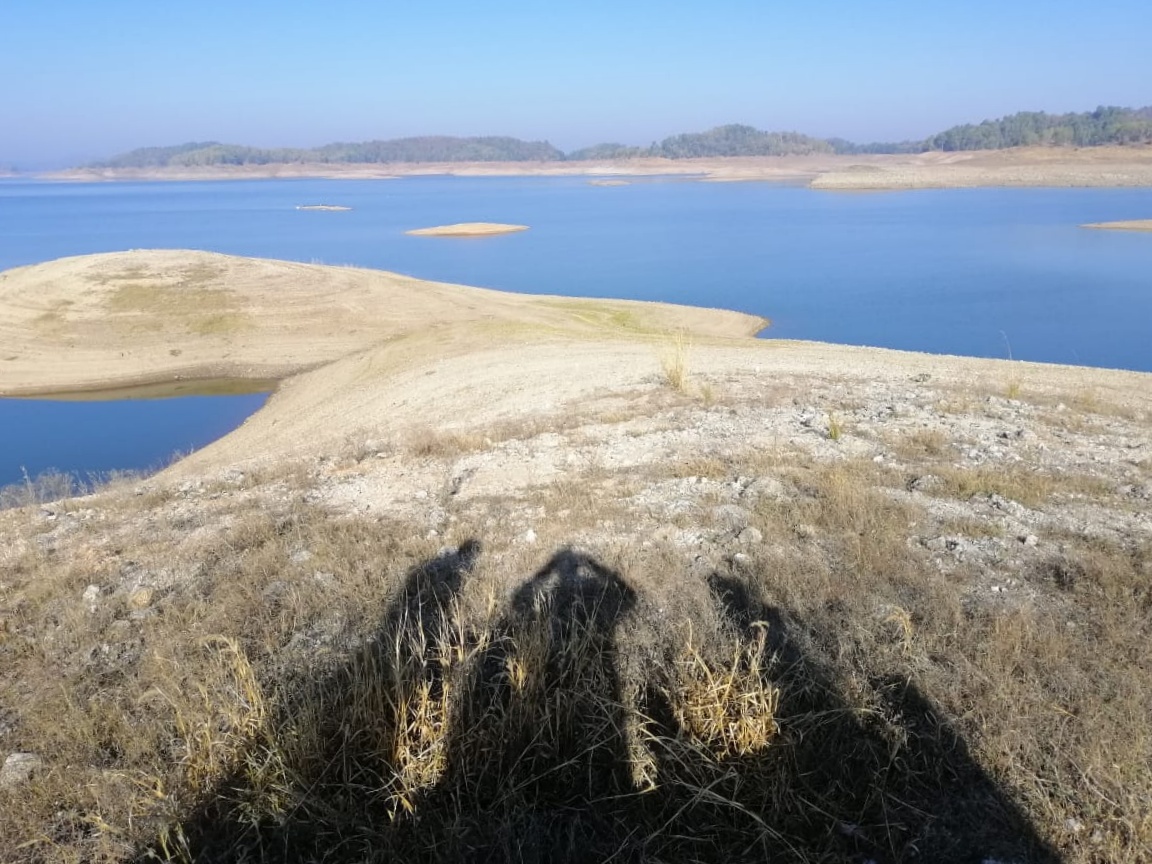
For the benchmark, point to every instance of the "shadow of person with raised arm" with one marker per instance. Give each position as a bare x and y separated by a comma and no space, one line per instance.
525,753
537,763
891,784
339,733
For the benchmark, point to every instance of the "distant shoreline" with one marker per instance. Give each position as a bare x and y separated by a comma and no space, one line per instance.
1126,225
1100,167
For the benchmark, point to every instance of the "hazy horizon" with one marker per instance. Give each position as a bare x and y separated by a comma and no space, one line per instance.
90,81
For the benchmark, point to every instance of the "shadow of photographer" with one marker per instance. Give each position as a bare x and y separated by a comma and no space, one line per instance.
892,782
513,743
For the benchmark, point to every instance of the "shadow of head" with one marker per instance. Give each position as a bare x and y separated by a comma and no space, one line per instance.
575,590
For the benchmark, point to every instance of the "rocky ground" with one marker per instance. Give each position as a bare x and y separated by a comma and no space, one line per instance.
999,478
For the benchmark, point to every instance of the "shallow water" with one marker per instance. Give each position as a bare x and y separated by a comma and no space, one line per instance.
985,272
88,439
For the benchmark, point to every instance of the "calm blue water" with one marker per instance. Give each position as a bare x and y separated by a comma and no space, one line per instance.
987,272
92,438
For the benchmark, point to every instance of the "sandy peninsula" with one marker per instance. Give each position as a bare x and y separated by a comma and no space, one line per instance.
1129,225
467,229
131,318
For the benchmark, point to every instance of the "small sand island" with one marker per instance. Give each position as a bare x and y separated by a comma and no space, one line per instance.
1129,225
329,207
467,229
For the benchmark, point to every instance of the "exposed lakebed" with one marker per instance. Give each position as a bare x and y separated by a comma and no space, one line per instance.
984,272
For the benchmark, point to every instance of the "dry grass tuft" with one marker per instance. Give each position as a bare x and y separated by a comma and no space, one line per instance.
922,443
674,360
442,443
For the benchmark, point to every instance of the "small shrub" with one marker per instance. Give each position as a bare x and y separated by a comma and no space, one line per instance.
675,361
835,427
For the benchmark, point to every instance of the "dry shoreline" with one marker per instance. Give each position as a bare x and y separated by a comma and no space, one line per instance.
1024,167
355,349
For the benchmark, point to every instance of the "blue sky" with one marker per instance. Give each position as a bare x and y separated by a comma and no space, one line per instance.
82,80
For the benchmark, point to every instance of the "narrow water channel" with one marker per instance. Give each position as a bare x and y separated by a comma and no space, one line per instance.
88,438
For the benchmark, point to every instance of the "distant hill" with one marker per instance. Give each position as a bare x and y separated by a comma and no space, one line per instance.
423,149
1037,129
1105,125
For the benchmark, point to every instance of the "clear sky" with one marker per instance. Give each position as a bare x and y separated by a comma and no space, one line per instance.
84,79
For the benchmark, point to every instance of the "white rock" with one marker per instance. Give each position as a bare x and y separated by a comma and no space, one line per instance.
19,768
765,487
91,597
750,537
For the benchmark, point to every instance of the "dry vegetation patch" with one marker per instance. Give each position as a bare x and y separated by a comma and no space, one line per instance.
766,644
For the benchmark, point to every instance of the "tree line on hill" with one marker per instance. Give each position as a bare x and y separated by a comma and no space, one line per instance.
1105,125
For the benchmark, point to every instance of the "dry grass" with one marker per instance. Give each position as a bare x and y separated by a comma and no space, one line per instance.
145,297
1028,487
300,685
835,426
921,443
438,443
674,361
215,325
51,486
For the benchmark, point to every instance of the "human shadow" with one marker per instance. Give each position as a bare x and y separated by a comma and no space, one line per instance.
893,783
338,730
534,755
532,759
537,766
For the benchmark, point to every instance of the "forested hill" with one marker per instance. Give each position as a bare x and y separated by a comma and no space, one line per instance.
1037,129
424,149
1029,128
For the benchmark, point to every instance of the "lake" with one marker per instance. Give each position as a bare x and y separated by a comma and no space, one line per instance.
92,439
984,272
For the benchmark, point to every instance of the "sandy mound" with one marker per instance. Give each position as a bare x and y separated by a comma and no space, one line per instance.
467,229
1130,225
